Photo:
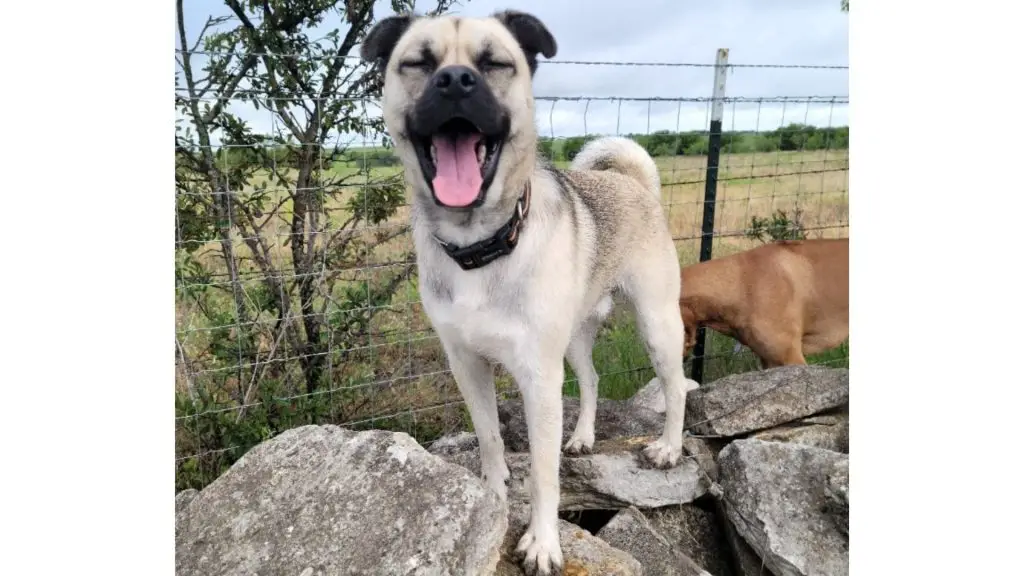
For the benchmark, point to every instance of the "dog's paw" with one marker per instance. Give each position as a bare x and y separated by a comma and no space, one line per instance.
540,556
578,444
662,454
691,385
496,478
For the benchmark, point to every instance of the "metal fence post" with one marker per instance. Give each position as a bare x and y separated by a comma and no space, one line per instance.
711,188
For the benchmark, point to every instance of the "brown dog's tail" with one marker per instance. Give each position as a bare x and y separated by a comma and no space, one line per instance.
620,155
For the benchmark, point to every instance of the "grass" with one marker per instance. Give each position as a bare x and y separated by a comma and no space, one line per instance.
403,371
621,360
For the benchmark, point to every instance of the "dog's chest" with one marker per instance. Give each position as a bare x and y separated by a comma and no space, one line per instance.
478,314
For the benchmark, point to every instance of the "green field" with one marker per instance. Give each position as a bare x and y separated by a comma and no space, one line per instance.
397,378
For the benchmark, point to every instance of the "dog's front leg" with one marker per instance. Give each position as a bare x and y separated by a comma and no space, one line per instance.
474,376
541,387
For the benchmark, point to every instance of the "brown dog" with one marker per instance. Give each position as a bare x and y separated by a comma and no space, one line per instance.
783,300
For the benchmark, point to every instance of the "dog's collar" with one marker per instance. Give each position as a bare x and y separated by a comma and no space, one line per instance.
482,253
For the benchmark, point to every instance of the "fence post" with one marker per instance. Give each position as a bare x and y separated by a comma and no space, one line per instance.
711,188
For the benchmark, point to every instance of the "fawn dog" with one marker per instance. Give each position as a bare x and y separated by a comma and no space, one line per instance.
783,300
518,259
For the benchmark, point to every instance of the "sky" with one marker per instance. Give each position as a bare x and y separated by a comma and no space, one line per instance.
776,32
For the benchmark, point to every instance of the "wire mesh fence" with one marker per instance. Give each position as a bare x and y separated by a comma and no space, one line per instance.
296,291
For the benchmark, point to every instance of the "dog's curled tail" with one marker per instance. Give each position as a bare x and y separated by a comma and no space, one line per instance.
621,155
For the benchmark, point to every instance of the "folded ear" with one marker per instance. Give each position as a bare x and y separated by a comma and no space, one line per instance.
380,41
533,37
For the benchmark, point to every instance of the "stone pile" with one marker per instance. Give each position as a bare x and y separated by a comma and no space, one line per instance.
764,489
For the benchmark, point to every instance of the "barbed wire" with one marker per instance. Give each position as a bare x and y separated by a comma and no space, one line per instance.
245,95
701,99
311,56
698,65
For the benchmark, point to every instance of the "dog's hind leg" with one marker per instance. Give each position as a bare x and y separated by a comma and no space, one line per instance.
783,356
474,376
655,298
579,357
776,346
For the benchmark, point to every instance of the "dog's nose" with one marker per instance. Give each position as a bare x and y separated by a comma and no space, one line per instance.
455,81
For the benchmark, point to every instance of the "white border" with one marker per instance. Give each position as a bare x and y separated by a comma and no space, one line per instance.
936,322
935,319
88,280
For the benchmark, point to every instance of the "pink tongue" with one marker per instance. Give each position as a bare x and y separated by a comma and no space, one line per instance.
458,179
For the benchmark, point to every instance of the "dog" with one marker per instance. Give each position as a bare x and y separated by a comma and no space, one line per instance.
783,300
517,260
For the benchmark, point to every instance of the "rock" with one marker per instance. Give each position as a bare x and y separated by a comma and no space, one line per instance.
457,443
615,476
615,419
745,562
704,452
463,449
752,401
695,532
630,531
651,397
582,554
775,497
828,431
324,500
585,555
182,500
837,494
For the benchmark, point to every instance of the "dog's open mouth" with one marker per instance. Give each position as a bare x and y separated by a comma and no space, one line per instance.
459,161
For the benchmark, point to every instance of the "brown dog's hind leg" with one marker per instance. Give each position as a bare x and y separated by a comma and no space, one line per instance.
775,347
788,358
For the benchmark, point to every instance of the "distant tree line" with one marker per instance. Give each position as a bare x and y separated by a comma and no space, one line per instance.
695,143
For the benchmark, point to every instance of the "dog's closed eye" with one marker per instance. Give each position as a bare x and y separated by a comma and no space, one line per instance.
488,62
490,65
425,61
416,65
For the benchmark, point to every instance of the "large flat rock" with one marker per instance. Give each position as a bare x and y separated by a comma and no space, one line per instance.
775,498
743,403
614,419
615,476
319,500
828,431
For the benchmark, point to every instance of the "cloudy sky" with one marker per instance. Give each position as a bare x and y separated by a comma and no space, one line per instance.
800,32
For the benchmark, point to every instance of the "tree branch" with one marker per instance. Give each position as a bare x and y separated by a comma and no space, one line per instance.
358,21
261,45
223,205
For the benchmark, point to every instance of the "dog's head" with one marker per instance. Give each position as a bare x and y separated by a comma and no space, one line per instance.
458,100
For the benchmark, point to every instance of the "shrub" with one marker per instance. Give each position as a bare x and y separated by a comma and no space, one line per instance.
780,226
546,148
